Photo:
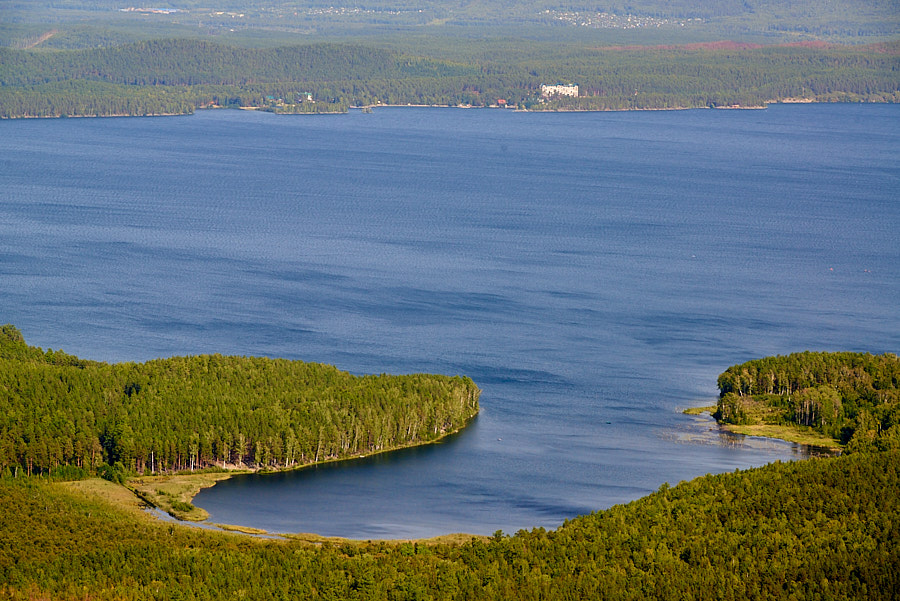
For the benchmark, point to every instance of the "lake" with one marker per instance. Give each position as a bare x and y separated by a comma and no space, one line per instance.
592,272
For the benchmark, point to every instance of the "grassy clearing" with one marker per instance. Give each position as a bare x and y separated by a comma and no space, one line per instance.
767,420
790,433
241,529
760,412
173,494
766,423
113,494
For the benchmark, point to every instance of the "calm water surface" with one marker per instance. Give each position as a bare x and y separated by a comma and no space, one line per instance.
593,273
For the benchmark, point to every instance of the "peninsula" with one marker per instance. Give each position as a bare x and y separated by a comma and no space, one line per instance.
70,417
842,401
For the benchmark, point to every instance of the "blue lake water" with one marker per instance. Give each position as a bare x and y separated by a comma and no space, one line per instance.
592,272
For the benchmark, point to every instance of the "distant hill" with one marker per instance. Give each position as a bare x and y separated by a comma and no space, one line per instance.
84,57
177,76
83,23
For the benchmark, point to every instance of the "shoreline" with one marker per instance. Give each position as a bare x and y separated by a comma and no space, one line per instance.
186,485
150,493
174,493
785,433
371,107
124,499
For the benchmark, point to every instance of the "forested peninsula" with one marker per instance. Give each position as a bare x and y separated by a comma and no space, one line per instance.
849,401
815,529
70,415
177,76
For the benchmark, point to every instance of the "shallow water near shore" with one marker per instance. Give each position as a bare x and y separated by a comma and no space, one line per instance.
592,272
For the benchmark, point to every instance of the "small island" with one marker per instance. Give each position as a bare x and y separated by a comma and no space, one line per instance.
840,401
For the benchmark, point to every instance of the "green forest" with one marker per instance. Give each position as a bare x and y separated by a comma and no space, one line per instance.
62,413
854,398
102,58
178,76
816,529
820,529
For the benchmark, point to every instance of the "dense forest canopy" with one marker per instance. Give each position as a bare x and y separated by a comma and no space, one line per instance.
177,76
191,412
851,397
818,530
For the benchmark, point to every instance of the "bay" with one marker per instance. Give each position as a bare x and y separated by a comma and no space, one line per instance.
593,272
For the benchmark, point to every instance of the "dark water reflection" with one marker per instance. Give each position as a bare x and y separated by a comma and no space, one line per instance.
431,490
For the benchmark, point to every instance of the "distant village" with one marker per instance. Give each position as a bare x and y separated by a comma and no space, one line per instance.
154,11
604,20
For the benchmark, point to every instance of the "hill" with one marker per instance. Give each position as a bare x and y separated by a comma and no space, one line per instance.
87,23
817,529
177,76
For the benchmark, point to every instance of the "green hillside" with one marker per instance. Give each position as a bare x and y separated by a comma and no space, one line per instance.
97,57
818,529
85,23
178,76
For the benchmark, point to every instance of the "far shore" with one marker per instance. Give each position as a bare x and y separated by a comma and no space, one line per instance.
370,107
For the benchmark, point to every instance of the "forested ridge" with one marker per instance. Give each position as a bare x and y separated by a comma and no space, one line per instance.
819,529
852,397
175,76
192,412
190,62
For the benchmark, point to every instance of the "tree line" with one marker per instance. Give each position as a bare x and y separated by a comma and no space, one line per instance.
852,397
177,76
192,412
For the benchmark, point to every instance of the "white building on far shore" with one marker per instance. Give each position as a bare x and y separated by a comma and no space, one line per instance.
558,90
